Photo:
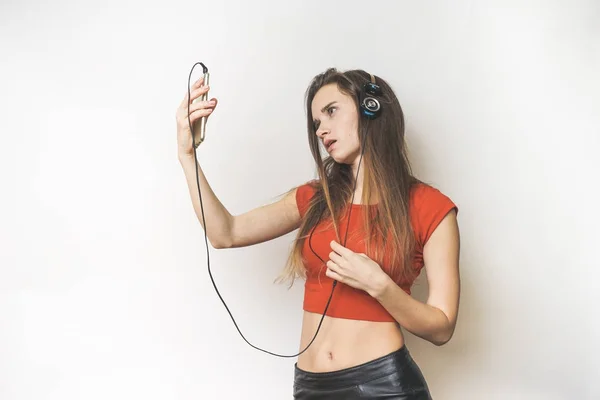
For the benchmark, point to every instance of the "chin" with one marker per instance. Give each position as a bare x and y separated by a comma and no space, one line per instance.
339,158
344,158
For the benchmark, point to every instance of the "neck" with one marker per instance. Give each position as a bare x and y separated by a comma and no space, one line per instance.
359,177
359,180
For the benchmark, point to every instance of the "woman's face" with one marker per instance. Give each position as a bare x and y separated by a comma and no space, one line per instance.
335,118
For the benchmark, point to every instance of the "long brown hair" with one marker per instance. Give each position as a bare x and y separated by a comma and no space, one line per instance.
387,176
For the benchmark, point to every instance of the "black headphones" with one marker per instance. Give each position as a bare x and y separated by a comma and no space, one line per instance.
370,107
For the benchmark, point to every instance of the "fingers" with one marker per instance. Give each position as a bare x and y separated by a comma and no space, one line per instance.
335,257
333,274
332,265
198,83
199,92
201,105
341,250
196,90
196,111
202,112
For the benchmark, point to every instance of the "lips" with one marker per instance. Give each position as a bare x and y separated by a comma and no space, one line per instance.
328,143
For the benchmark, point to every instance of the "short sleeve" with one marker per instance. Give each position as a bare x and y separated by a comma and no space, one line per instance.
431,206
304,194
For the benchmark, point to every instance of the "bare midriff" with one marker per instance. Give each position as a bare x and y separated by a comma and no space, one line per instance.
344,343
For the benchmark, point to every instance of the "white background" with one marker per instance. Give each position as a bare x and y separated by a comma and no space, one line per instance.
105,292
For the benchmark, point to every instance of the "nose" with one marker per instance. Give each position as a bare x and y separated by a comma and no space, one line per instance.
322,130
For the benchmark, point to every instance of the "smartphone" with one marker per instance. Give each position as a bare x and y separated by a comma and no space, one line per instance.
200,126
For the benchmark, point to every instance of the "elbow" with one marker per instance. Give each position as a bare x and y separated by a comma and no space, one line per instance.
442,337
223,241
440,342
216,245
226,239
221,244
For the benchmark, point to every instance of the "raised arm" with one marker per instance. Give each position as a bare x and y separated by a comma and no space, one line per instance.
226,230
229,231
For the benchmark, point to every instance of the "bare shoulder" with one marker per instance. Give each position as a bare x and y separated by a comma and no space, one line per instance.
267,222
429,207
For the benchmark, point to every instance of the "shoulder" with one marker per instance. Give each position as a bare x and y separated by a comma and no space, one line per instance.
428,207
304,194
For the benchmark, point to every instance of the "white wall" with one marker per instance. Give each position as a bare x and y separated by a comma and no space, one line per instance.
104,286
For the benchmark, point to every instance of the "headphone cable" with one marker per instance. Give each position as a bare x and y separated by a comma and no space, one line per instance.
196,164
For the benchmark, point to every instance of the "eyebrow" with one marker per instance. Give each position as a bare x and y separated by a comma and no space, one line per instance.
328,105
315,121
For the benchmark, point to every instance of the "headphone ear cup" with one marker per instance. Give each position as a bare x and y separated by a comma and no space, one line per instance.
370,107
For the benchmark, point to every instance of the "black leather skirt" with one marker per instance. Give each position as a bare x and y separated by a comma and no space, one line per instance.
395,376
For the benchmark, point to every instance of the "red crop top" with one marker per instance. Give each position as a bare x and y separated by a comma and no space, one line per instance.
428,207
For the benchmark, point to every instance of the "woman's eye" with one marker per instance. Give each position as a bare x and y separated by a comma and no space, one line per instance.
330,110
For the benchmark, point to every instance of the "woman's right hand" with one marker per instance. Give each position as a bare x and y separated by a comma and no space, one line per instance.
197,110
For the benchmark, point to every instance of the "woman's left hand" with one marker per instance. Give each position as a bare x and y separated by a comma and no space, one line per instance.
355,269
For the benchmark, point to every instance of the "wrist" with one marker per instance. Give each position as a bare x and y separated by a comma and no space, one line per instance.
183,156
381,286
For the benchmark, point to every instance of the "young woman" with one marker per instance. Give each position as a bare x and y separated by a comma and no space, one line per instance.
366,228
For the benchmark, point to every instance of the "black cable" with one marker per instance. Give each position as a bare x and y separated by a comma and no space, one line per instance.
205,70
